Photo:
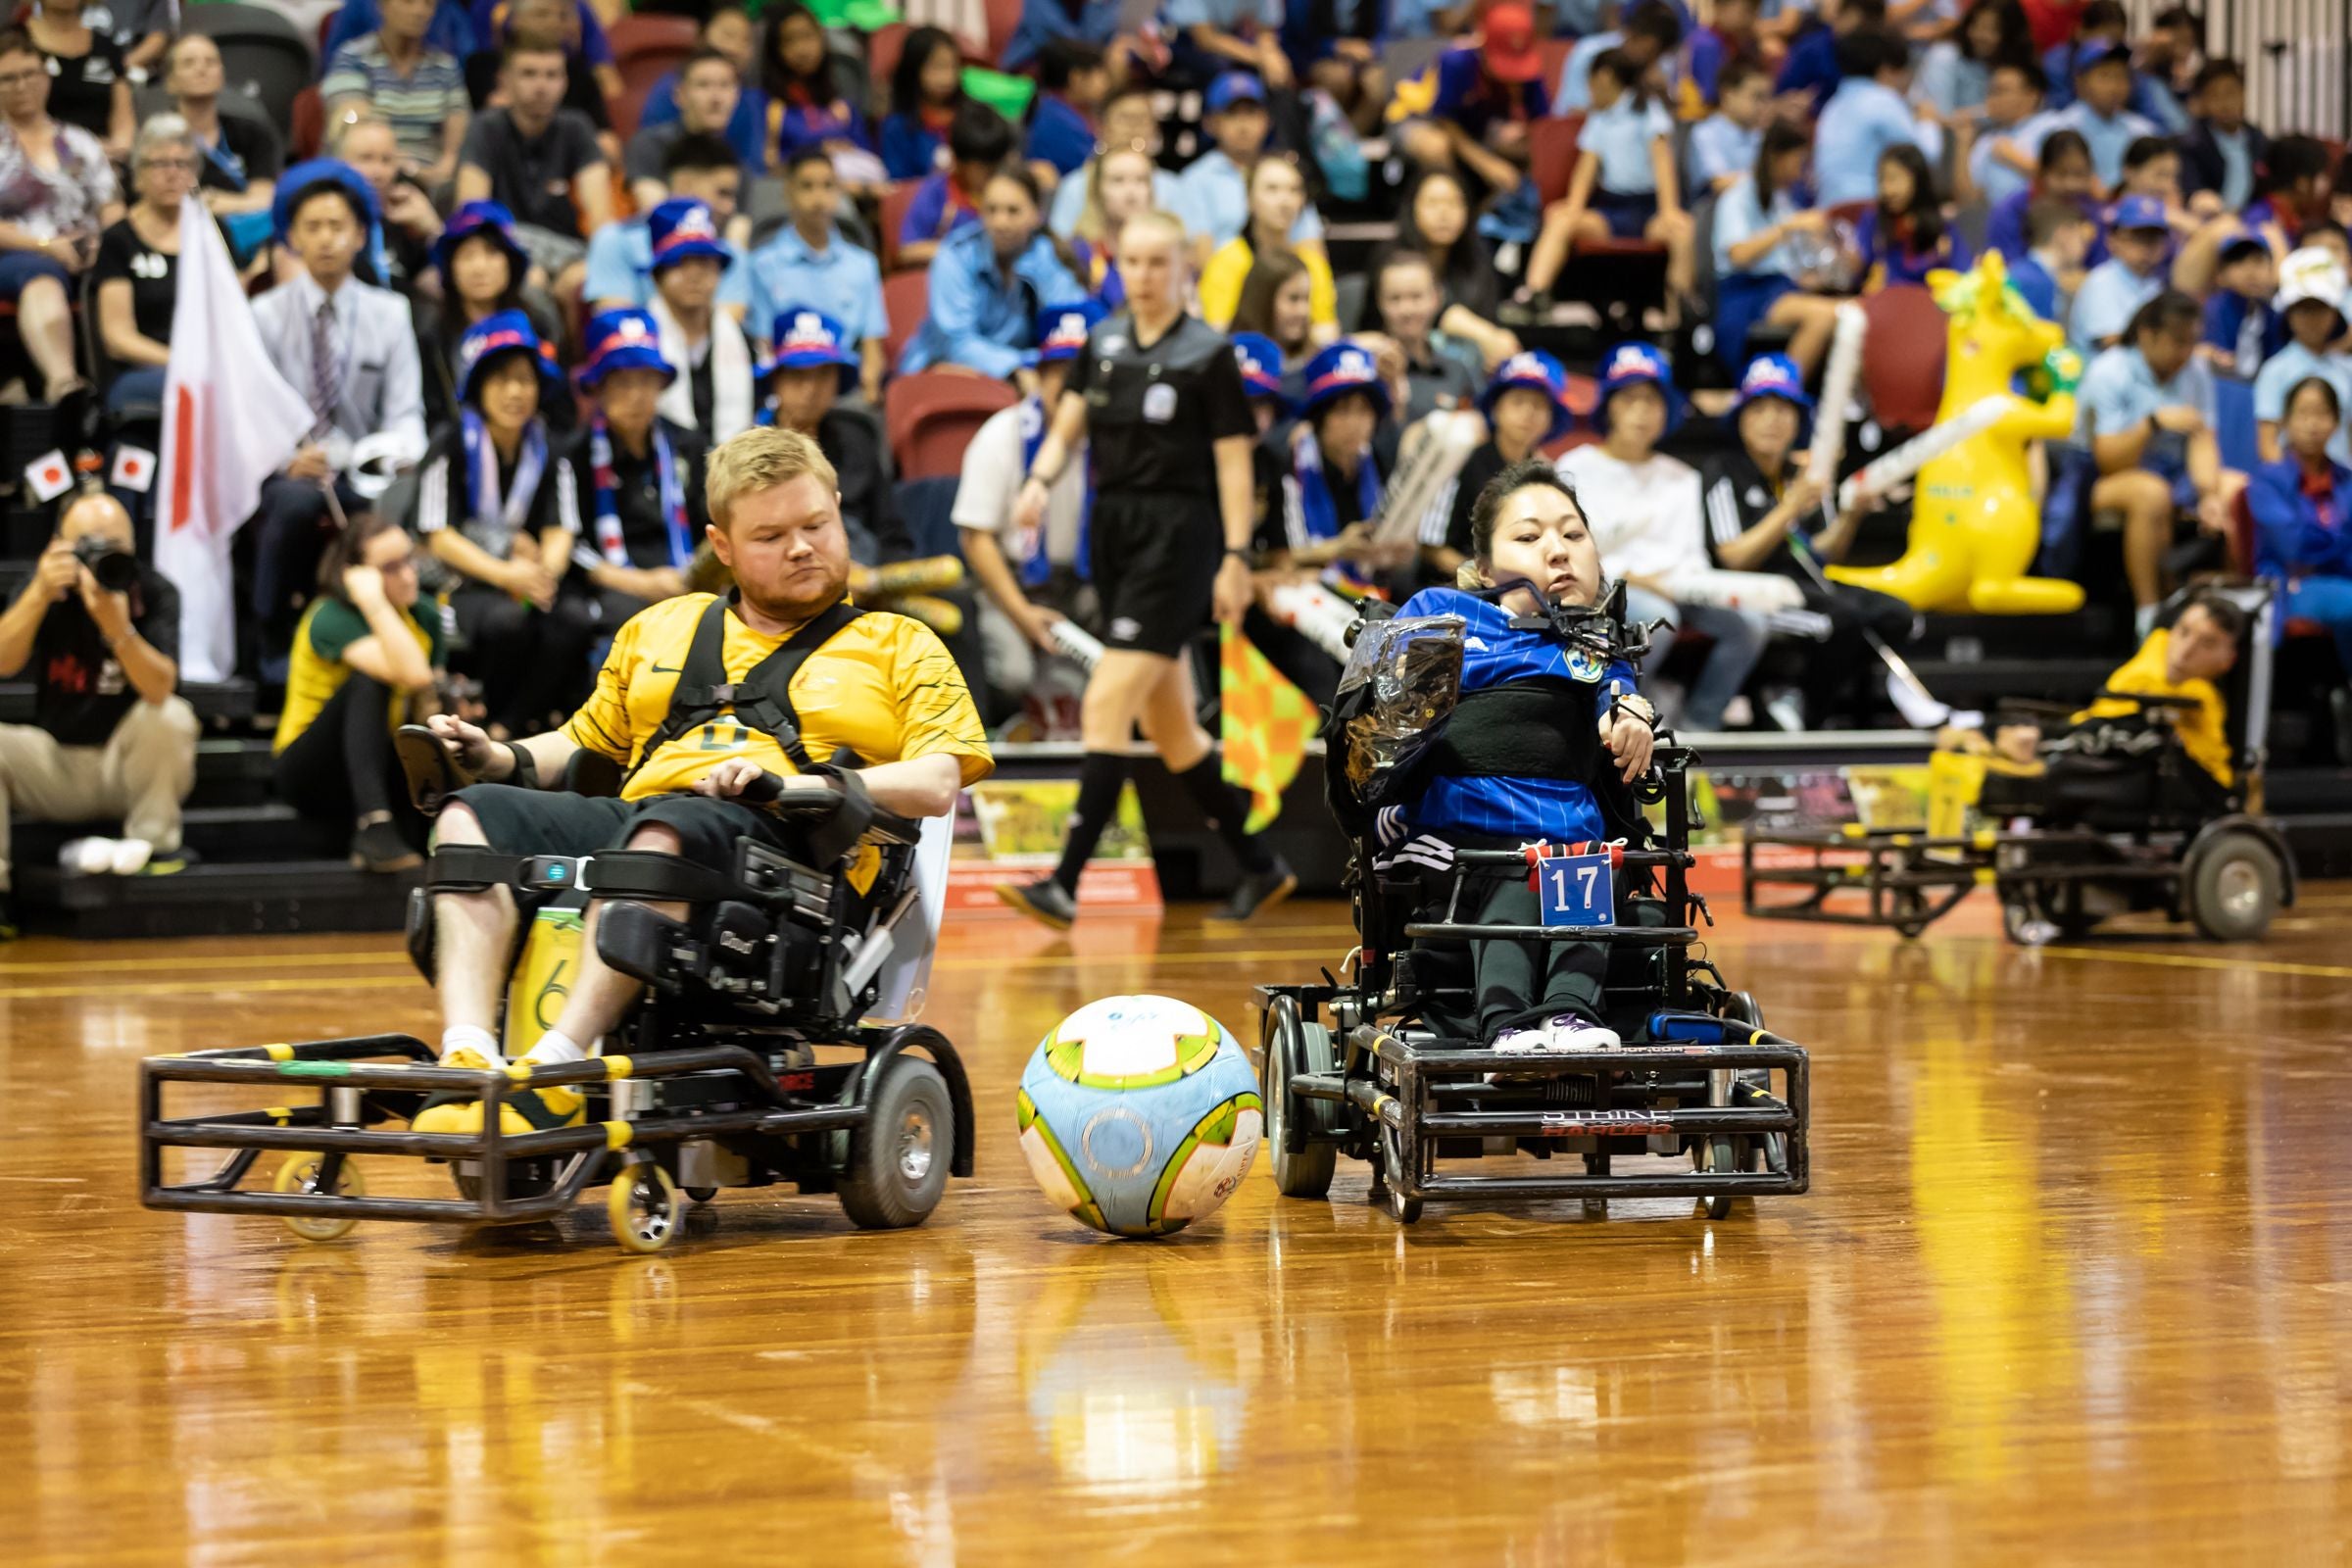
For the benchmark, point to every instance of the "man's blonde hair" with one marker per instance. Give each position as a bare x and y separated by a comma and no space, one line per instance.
760,458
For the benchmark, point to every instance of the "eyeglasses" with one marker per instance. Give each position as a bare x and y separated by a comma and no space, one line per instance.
22,79
181,166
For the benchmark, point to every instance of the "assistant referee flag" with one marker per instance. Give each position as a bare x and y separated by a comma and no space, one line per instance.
230,421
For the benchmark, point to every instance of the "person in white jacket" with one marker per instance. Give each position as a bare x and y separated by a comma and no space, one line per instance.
1645,513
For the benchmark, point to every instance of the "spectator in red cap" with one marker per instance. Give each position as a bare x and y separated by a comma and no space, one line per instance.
1470,110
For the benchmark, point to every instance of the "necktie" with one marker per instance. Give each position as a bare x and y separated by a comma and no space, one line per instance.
326,368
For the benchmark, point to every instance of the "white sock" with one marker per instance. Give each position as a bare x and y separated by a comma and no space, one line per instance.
470,1037
2144,622
554,1048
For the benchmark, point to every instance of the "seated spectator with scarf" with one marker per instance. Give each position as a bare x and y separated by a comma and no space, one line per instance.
812,365
486,508
1341,453
714,396
1030,582
629,487
620,256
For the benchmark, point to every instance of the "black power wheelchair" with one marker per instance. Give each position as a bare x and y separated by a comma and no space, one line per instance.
2131,825
1385,1066
714,1080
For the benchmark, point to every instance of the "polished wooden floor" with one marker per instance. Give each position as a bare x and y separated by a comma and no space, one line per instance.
2074,1284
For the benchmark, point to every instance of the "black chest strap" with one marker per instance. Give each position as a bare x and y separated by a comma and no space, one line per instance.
761,699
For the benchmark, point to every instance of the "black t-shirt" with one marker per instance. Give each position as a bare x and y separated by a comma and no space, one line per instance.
1734,497
1276,453
1152,413
248,150
531,178
445,494
81,88
853,444
637,494
153,276
80,691
580,90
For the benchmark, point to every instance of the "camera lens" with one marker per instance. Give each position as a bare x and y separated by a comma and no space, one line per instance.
116,571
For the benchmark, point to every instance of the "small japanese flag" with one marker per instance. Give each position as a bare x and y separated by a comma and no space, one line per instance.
134,469
49,475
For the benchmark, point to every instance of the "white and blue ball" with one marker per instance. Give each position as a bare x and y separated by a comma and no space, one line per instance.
1139,1114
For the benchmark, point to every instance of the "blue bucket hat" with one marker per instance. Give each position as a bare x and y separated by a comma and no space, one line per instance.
1233,86
2139,212
1061,330
1773,375
490,220
2100,54
1532,370
303,179
683,228
1261,360
1338,368
809,340
625,339
497,335
1637,365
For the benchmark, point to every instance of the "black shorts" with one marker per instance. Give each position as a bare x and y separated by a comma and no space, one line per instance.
520,821
1156,561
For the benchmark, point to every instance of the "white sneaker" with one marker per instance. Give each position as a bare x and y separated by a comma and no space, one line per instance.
1565,1031
87,856
1521,1042
130,856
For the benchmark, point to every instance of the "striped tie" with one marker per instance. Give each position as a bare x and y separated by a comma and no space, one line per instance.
326,369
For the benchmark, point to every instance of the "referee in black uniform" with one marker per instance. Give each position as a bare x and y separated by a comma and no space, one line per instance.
1160,402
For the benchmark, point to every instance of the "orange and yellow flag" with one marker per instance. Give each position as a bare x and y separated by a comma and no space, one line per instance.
1265,726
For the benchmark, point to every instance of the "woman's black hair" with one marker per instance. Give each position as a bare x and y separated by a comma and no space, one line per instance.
1926,213
1624,73
1510,483
2015,42
2228,615
2335,402
2055,146
1780,139
978,135
2291,161
453,323
776,78
2169,311
907,80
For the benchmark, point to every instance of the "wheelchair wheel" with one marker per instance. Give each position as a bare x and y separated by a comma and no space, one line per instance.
1734,1155
1405,1210
645,1207
300,1174
898,1159
1753,1087
2234,887
1293,1047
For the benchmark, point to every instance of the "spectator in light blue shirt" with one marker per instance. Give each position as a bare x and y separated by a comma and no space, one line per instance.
988,283
1650,33
2102,88
1214,188
620,256
2009,132
807,263
2132,275
2311,296
1724,145
1127,120
1867,114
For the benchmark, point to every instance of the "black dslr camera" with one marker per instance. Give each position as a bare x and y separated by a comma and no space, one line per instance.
116,570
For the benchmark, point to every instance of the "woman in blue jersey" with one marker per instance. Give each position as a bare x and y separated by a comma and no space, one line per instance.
1540,748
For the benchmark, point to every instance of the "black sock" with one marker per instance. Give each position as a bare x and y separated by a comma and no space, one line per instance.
1227,810
1100,776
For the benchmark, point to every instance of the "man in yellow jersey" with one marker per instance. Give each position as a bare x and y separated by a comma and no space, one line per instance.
691,707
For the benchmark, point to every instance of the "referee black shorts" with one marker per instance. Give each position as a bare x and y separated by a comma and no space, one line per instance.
1156,561
520,821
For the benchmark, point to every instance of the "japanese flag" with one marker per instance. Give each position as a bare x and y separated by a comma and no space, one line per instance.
134,469
230,421
49,475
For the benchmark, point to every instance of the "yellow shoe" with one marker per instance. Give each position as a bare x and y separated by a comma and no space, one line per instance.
523,1110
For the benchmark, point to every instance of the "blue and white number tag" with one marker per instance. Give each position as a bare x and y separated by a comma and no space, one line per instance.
1576,890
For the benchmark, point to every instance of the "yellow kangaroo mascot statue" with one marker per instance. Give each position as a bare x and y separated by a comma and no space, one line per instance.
1974,525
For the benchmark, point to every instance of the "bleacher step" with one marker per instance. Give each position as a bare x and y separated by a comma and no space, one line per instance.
252,899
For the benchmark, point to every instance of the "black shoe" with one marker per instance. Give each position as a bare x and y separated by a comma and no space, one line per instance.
1043,900
379,847
1261,890
2339,710
8,918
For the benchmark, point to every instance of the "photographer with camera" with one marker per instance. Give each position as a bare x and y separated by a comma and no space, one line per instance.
99,632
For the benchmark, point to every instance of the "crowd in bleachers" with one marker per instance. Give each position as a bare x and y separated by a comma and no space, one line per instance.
528,260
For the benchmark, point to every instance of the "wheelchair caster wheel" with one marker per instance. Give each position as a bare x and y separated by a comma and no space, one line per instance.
1405,1210
898,1161
1739,1155
702,1194
645,1207
300,1174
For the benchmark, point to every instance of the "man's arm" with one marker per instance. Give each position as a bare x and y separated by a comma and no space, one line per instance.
21,622
473,183
592,194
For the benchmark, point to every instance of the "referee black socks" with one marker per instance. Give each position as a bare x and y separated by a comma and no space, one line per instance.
1227,810
1101,775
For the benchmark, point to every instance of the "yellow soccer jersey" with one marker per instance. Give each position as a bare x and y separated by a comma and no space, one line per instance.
883,687
2200,728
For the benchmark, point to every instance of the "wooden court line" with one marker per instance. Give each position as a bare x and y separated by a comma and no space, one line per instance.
2198,961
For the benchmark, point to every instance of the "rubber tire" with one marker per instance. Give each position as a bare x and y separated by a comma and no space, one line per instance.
875,1192
1305,1047
2217,924
300,1174
1402,1210
620,1207
1734,1153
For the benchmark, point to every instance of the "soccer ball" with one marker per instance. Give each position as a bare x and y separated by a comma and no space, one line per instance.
1139,1114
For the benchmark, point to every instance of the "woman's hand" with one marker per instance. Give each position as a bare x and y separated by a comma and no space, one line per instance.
531,581
366,586
1630,740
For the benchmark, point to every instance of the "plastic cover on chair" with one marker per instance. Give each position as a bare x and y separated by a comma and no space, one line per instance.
1403,678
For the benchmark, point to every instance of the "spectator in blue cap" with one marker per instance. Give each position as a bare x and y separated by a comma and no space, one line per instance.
1764,515
2242,324
1643,508
620,256
2138,241
2100,111
1028,584
1526,408
629,485
482,269
486,508
716,393
1215,185
988,282
350,349
812,363
1341,453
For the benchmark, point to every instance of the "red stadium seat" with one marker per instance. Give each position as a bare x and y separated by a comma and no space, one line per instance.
306,132
1902,357
647,46
1554,52
883,46
1551,153
906,296
1004,19
895,202
933,415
